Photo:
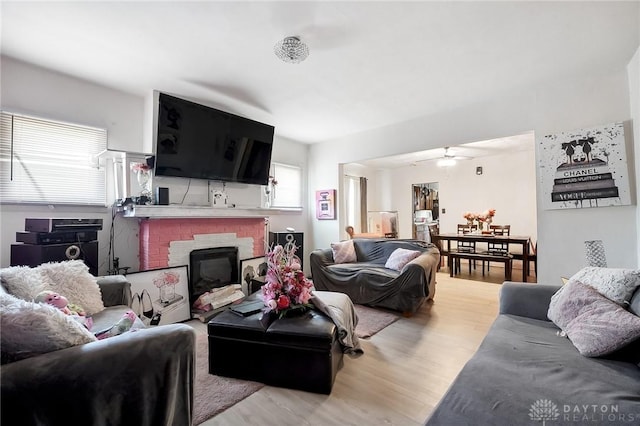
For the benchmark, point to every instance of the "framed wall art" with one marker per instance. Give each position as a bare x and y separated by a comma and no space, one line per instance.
161,296
326,204
250,269
584,168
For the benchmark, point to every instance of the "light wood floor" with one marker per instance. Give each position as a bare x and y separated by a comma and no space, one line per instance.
405,370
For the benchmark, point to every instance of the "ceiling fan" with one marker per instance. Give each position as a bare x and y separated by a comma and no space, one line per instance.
449,158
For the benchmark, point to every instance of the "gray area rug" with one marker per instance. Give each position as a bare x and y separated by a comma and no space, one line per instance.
214,394
371,321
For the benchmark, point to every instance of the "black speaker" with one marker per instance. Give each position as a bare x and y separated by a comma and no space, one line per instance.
34,254
162,196
282,238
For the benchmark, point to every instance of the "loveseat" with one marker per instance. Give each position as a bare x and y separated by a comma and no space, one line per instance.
368,278
527,372
141,377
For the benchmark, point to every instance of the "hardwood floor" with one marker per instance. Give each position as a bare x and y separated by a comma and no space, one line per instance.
405,369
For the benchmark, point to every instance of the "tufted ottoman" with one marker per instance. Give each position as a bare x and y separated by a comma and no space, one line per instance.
301,352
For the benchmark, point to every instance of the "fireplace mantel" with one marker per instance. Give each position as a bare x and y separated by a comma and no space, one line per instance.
175,211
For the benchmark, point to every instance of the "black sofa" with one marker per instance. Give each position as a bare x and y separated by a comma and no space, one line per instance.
368,282
524,373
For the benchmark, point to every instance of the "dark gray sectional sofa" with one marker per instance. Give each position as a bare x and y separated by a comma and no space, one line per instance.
524,373
368,282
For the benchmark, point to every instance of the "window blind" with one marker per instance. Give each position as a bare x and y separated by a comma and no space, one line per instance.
50,162
288,191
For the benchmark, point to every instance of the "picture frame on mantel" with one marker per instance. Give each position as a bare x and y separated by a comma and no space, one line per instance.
161,296
326,204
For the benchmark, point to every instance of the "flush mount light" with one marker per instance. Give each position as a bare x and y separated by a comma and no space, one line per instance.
446,162
291,49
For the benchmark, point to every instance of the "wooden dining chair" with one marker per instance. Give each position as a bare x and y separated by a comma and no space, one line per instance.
434,229
498,247
466,246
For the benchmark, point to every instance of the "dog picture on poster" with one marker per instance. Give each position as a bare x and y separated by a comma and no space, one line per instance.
584,168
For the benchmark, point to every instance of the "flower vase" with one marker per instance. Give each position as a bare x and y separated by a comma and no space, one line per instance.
167,293
480,226
144,180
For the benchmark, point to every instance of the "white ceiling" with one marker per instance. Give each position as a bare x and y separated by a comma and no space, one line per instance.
371,64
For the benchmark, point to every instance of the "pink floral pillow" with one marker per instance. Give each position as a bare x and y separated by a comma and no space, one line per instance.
344,252
400,257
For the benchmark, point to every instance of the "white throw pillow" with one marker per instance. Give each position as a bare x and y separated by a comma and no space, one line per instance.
69,278
400,257
73,280
615,284
30,329
22,281
344,252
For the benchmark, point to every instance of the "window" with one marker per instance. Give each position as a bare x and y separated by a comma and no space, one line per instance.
43,161
288,191
352,207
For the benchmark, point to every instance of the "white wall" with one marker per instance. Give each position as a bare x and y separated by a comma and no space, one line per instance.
37,91
461,190
549,107
633,72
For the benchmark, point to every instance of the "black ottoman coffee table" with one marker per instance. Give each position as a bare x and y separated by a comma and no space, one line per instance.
301,352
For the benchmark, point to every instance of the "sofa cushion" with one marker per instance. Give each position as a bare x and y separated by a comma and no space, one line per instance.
30,329
343,252
616,284
595,325
400,257
69,278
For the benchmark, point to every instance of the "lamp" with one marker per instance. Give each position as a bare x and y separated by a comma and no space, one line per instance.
291,49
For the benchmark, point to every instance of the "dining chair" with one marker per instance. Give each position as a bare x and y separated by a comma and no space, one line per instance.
466,246
434,229
499,248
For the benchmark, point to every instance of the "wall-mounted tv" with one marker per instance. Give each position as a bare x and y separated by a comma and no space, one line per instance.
197,141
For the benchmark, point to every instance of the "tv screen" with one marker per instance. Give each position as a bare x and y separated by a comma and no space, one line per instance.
196,141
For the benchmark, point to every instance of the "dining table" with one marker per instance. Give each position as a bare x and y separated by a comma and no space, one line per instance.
523,241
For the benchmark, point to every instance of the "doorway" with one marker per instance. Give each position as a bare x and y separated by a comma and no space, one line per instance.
425,208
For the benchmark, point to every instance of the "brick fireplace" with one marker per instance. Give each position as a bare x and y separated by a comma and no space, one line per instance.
166,242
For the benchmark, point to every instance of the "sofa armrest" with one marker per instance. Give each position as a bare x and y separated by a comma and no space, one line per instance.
526,299
145,377
115,289
321,257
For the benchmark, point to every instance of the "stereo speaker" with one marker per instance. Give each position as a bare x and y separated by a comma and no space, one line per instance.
162,196
34,254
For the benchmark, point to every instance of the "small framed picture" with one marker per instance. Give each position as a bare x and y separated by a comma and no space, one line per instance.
326,204
161,296
251,269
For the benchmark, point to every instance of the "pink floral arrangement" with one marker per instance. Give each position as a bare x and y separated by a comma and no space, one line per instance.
166,278
286,288
140,167
469,216
485,216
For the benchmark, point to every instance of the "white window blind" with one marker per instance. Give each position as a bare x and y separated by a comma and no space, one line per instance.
288,191
50,162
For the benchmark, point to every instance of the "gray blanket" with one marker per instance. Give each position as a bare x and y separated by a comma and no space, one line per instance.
339,308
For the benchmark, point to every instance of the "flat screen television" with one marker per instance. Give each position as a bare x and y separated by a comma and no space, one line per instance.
197,141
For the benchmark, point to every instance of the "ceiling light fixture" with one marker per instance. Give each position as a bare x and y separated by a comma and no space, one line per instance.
291,49
446,162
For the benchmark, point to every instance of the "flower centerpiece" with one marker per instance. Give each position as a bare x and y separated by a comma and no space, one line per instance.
482,218
166,283
286,289
143,175
470,217
270,190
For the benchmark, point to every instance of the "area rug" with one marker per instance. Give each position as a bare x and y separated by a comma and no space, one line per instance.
214,394
371,321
